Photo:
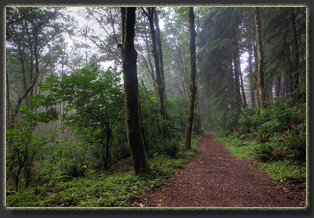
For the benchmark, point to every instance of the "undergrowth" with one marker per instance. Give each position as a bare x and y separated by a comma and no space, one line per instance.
119,189
264,157
275,139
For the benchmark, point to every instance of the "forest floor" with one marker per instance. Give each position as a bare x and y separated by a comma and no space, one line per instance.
215,178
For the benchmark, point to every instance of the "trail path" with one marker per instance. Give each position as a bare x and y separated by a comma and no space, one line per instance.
215,178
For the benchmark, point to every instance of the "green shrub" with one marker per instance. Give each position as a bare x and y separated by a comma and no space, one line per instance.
74,169
245,123
172,147
119,189
296,145
169,147
263,152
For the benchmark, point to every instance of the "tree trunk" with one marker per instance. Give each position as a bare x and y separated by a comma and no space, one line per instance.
244,103
159,72
108,139
260,73
132,112
182,72
197,120
295,52
8,106
148,63
237,68
236,78
278,86
251,74
159,51
189,126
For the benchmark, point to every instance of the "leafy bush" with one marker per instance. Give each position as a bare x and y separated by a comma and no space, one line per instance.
263,152
296,145
74,169
119,189
279,116
94,110
171,147
176,114
267,130
244,125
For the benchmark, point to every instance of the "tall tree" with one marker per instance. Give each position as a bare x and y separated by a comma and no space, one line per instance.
260,73
250,69
159,51
132,107
249,37
30,31
157,54
192,85
236,63
295,50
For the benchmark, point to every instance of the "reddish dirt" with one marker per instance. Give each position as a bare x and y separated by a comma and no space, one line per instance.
215,178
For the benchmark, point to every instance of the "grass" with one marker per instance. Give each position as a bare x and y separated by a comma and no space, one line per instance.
120,189
246,149
282,168
242,149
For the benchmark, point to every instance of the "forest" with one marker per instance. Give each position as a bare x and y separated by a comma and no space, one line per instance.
105,104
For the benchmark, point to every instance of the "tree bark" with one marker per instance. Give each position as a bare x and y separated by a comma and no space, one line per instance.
159,71
8,106
192,84
148,63
260,73
182,72
132,111
159,51
278,86
244,103
295,52
251,74
197,119
237,68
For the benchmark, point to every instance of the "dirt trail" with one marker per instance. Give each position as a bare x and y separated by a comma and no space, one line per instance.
215,178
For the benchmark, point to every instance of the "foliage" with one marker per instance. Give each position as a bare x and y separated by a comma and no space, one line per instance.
25,143
74,169
94,108
263,152
170,147
278,118
177,114
264,158
283,168
33,35
225,29
149,116
119,189
276,136
176,121
216,70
